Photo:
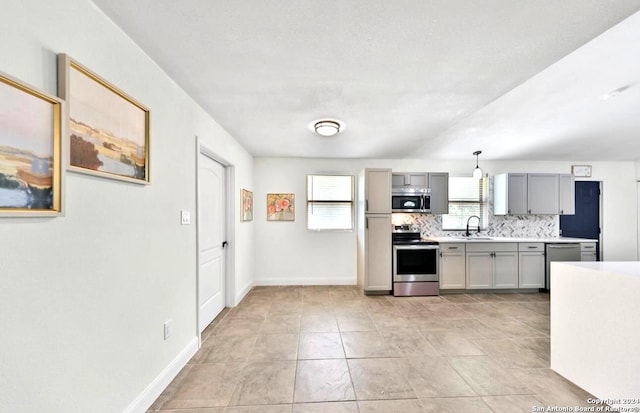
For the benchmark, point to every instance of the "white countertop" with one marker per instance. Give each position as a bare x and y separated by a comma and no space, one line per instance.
614,267
473,239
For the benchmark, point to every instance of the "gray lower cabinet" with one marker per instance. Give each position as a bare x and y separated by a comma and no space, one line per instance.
491,265
377,253
479,270
588,251
452,266
531,265
499,265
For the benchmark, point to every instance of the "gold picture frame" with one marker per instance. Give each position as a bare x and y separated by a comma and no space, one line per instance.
30,150
246,205
108,130
281,207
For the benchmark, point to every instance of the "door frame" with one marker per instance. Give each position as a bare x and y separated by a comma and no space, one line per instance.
229,258
600,215
600,220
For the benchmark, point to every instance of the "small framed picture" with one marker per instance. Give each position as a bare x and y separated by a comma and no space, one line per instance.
581,171
281,207
246,202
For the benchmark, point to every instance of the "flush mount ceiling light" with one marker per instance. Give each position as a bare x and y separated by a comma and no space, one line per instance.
327,127
477,173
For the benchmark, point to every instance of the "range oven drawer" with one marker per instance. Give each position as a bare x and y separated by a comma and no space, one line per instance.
401,289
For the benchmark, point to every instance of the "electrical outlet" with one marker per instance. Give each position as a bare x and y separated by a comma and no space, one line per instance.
185,217
168,329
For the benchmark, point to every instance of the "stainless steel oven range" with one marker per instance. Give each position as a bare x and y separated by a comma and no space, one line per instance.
415,263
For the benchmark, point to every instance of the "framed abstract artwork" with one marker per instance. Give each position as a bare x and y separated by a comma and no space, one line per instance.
246,202
30,150
108,130
281,207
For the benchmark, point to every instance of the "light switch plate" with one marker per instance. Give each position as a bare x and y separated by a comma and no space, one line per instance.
168,329
185,217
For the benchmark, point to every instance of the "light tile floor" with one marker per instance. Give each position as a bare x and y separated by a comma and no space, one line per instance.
333,349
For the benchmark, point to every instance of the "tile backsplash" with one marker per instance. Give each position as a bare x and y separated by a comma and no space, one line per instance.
517,226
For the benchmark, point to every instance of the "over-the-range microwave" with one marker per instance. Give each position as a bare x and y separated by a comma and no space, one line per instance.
411,200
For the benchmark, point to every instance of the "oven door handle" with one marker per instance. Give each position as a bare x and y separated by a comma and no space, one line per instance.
416,247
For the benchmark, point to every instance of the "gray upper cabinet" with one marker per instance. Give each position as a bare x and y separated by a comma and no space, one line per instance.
543,193
534,193
377,191
510,194
410,179
439,184
517,194
567,195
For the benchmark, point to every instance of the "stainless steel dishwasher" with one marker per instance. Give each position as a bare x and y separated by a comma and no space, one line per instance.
560,252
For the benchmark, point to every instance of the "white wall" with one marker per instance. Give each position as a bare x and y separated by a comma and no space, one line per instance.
83,297
286,253
638,180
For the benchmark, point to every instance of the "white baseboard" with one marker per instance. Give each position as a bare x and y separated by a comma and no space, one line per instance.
243,293
157,386
307,281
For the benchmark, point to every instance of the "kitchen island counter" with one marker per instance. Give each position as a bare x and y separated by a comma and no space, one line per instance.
595,328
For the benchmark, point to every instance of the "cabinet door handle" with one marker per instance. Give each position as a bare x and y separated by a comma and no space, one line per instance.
366,205
529,211
441,254
509,212
562,212
366,223
453,248
531,246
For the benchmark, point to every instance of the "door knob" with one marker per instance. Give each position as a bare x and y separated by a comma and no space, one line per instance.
224,244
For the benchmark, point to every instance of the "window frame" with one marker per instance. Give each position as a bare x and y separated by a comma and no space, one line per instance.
484,204
352,202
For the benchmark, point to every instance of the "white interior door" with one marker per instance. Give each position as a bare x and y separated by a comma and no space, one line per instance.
211,236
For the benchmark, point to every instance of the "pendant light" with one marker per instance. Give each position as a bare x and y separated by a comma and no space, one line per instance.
477,173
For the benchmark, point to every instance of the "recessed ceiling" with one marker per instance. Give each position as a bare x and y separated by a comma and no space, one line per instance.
409,78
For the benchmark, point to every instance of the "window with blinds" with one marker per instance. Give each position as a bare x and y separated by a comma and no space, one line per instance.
467,197
330,202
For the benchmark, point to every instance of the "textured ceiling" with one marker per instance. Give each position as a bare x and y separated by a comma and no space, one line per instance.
409,78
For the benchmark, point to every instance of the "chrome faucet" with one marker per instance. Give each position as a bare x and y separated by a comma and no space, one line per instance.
469,219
